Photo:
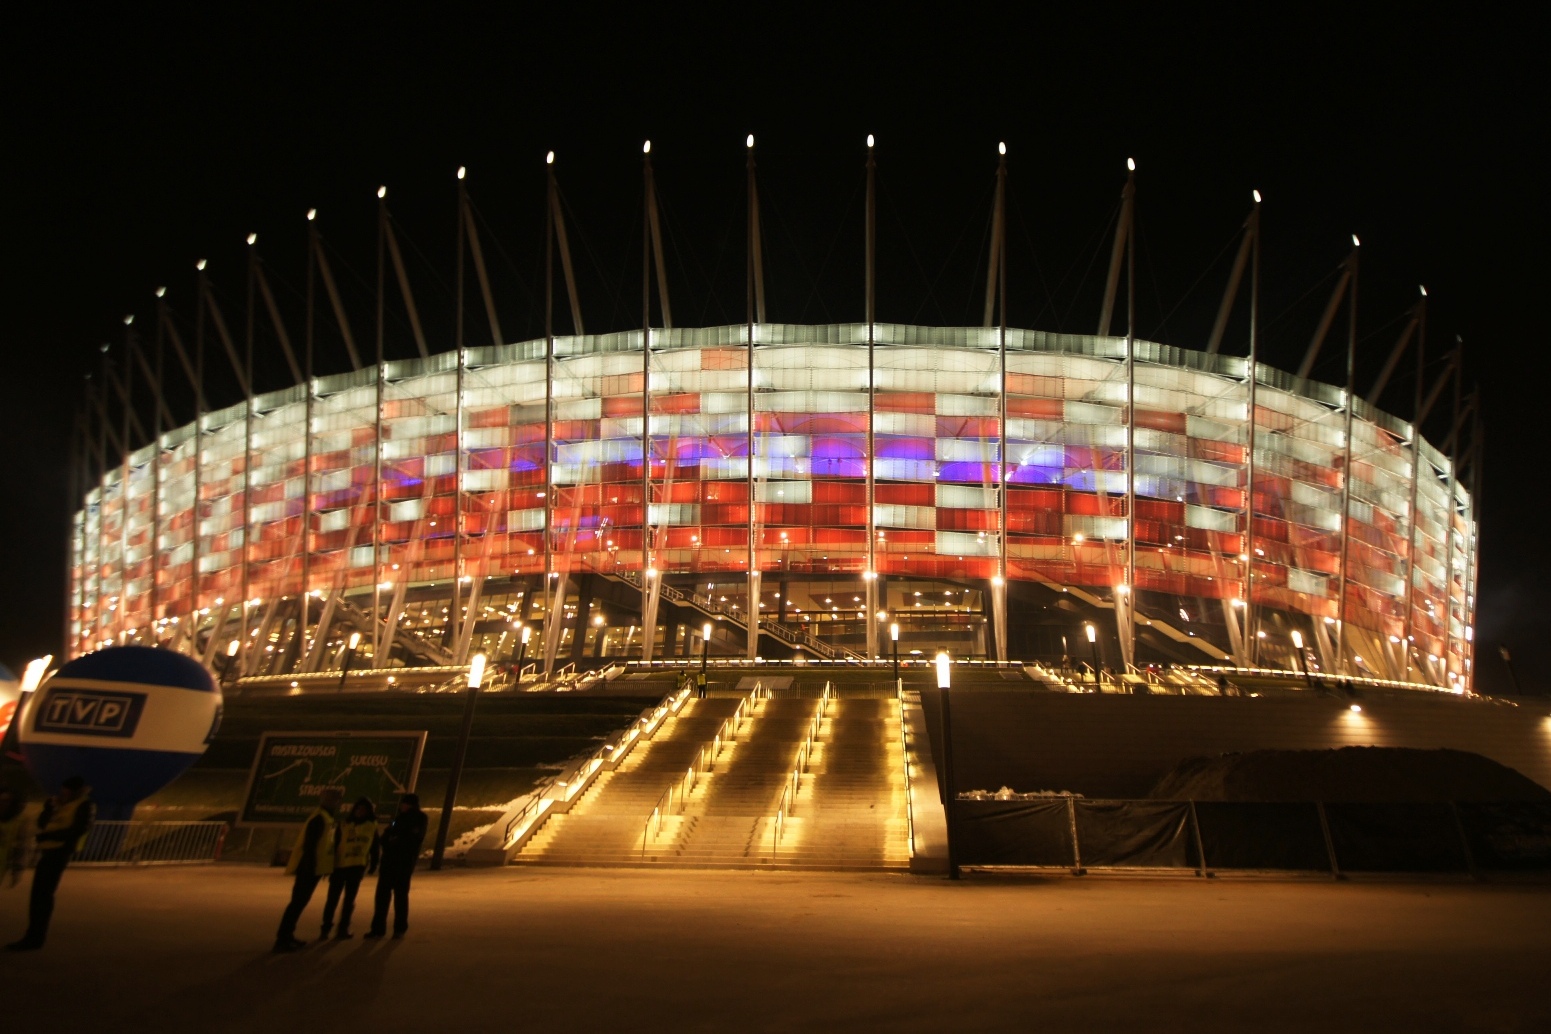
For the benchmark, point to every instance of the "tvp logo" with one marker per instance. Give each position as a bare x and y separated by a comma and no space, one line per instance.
91,712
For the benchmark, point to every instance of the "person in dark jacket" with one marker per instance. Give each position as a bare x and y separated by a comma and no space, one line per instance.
396,852
62,829
357,843
312,858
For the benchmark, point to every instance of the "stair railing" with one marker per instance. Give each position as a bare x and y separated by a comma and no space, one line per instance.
788,801
705,758
655,817
904,756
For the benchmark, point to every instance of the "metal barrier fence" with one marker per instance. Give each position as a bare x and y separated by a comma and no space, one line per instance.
152,843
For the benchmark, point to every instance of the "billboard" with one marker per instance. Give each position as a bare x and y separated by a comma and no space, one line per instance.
292,768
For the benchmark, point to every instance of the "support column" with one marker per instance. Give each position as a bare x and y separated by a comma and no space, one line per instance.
554,619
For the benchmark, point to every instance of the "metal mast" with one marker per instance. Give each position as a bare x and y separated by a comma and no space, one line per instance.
651,251
1346,468
1408,630
870,574
755,302
1251,615
996,297
550,205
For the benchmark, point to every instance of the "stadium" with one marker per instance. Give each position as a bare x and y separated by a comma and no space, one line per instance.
844,492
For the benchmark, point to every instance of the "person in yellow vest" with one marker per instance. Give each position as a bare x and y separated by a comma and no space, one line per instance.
62,827
357,844
312,858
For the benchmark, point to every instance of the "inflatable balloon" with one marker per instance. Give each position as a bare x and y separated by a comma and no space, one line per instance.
127,719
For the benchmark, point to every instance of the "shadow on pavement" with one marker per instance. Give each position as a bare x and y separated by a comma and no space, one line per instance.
269,990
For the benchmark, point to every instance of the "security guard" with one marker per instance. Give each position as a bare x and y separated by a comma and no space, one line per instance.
312,858
357,843
700,685
62,829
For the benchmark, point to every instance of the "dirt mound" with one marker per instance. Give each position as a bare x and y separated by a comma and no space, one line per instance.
1368,774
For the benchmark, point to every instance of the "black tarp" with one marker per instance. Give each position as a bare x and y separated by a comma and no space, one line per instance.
1403,837
1417,837
1012,832
1508,835
1244,835
1135,834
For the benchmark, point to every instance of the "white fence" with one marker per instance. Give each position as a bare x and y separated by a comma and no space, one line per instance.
152,843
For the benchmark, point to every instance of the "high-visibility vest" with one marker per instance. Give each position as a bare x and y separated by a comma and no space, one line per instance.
355,842
64,816
325,860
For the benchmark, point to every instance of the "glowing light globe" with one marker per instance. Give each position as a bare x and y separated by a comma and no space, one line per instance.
127,719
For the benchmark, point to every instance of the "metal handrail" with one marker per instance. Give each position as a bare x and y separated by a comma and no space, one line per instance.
703,762
788,801
904,756
608,752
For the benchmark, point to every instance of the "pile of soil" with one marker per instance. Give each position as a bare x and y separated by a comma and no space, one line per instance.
1359,774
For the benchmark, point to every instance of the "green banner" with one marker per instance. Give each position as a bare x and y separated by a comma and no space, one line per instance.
293,768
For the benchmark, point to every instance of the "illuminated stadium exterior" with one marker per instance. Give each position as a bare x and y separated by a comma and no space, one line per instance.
479,474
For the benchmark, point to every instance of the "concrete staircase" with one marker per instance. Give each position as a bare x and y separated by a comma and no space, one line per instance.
604,827
849,810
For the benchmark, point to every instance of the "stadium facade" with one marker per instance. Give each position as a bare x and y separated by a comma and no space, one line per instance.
989,490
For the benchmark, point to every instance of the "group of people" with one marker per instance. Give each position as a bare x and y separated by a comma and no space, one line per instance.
340,849
344,850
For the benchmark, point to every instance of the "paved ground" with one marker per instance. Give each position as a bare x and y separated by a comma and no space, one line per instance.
507,949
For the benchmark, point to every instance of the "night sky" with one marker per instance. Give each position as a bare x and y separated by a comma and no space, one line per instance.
138,143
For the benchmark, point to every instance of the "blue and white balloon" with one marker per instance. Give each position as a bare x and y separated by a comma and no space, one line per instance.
127,719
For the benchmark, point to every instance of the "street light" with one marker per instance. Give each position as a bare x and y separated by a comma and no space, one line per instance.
522,651
1093,644
231,660
344,669
949,794
1303,664
475,677
705,653
899,686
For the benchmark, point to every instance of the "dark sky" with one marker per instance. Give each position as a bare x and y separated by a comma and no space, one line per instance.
138,143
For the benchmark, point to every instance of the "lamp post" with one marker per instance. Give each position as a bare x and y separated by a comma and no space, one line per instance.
522,650
899,686
344,669
476,676
231,661
705,653
1093,644
949,794
1303,664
